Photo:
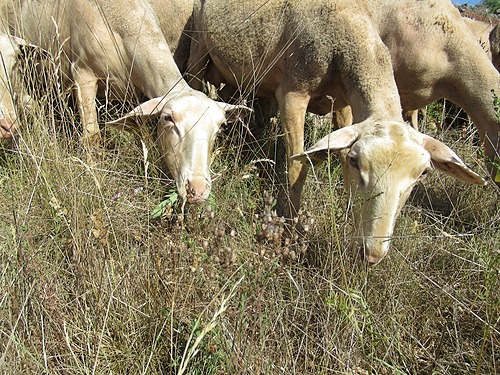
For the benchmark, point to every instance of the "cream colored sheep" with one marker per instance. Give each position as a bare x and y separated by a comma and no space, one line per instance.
304,54
481,31
435,55
117,49
9,52
382,161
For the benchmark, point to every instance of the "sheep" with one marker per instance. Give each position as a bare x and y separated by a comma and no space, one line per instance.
10,48
117,49
304,54
382,161
481,31
434,55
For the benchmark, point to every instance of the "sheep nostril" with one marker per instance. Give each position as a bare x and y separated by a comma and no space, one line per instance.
197,190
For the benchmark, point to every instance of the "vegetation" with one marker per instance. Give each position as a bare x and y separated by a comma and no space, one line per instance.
92,281
493,6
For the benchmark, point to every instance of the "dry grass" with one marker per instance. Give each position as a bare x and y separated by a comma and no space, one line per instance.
89,283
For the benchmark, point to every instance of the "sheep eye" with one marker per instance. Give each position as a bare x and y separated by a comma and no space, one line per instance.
353,162
424,173
167,117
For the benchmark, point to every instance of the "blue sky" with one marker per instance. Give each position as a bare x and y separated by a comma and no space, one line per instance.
470,2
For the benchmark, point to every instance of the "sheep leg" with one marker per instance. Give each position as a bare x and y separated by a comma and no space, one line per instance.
197,63
411,116
293,107
343,117
86,91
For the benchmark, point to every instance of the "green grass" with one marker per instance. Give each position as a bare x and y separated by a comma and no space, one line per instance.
91,283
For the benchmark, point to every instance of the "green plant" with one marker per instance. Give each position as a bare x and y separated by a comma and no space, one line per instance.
493,6
165,207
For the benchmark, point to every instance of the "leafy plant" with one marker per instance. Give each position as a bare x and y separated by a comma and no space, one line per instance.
166,205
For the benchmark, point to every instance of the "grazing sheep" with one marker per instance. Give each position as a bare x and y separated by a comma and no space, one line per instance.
9,52
304,54
382,161
117,49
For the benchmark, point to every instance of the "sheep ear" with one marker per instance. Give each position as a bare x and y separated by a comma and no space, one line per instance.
150,108
26,48
18,41
335,141
235,112
445,160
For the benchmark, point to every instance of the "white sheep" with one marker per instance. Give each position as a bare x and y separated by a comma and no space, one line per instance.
10,48
306,53
117,49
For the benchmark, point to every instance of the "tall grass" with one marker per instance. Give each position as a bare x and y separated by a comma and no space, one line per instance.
91,284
